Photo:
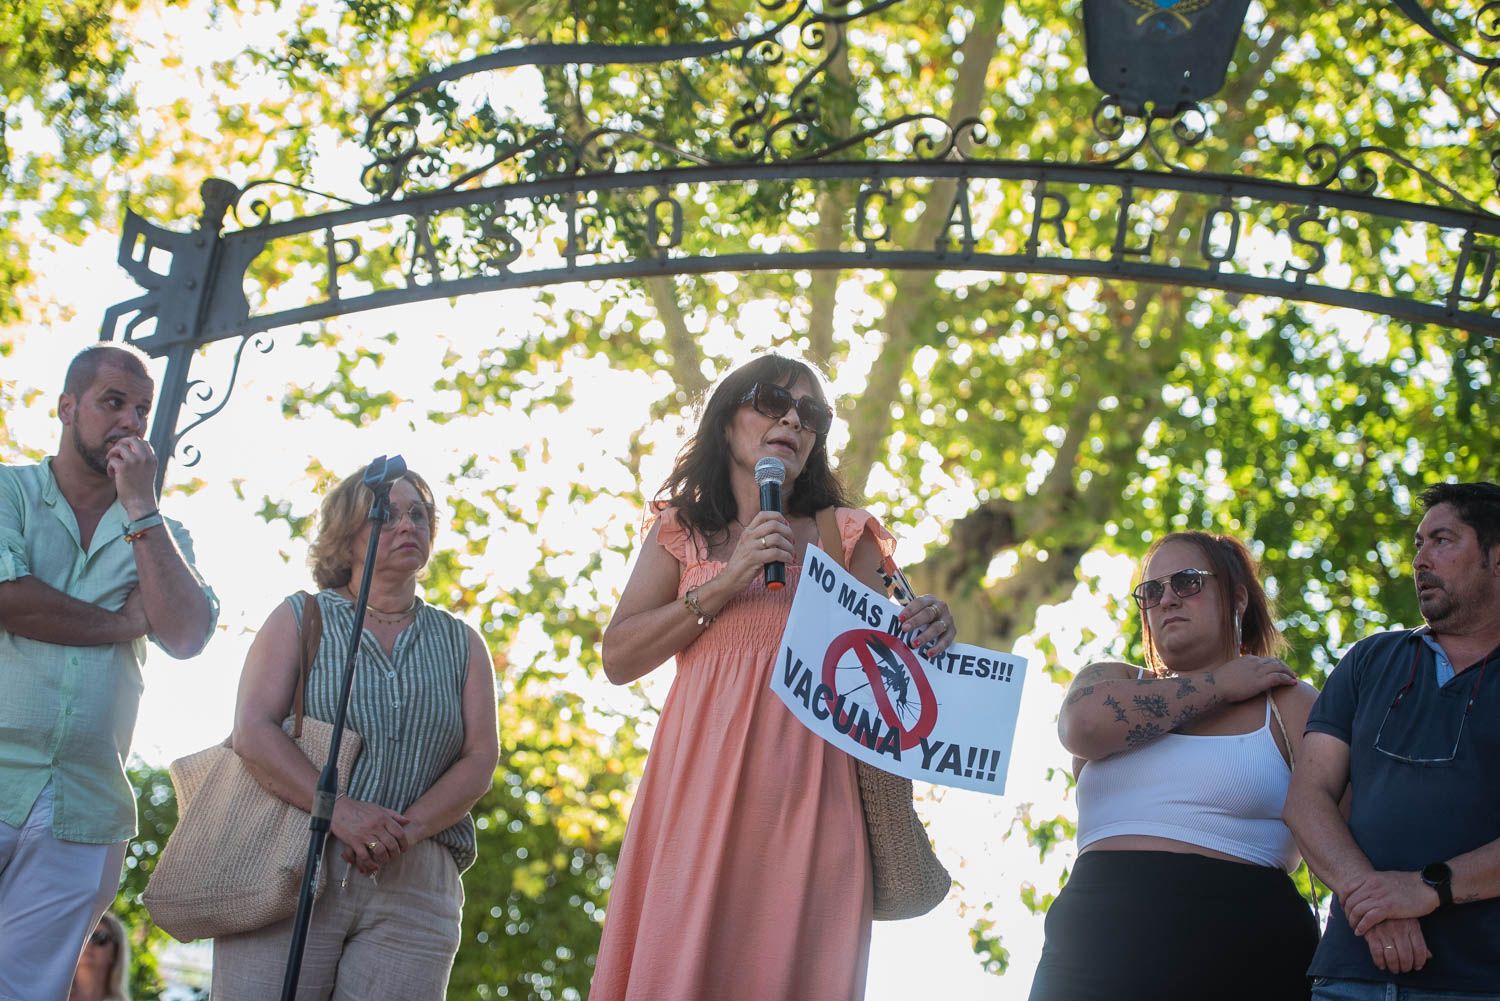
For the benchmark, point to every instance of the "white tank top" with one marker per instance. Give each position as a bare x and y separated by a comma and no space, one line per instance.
1224,792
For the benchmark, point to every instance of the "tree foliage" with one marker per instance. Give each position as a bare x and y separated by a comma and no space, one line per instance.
156,812
59,64
1054,417
1074,415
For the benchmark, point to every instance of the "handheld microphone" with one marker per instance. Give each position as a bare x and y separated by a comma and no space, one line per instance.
383,470
770,473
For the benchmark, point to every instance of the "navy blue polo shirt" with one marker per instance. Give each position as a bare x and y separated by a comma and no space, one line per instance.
1404,815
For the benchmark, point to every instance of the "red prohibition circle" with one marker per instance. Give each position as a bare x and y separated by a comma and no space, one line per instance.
860,641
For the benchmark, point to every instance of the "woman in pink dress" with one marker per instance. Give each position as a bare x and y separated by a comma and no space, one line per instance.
745,874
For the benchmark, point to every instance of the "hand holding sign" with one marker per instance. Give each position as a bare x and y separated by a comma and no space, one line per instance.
930,624
847,668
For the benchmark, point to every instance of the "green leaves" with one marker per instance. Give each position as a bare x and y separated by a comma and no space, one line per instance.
549,835
156,809
988,944
1015,424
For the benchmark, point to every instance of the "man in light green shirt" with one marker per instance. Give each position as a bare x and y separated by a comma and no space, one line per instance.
88,570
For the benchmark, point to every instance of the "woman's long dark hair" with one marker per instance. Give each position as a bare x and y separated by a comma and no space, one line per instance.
699,483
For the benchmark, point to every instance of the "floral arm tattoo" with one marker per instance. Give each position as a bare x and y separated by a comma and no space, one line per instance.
1150,705
1144,708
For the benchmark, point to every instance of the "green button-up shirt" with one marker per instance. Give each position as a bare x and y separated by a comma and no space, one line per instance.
67,713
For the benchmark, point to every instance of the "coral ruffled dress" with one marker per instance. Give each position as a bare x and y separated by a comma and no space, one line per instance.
745,874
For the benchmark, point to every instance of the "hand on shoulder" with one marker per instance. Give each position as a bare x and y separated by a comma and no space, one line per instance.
1248,675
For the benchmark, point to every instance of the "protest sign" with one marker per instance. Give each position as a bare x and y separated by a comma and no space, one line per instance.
845,669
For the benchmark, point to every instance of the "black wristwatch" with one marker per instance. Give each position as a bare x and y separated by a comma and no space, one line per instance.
1440,878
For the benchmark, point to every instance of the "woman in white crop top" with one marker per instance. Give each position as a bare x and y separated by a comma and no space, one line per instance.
1181,889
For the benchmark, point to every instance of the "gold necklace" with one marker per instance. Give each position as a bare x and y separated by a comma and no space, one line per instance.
381,615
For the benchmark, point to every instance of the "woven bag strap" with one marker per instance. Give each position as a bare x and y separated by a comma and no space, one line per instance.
312,638
1291,757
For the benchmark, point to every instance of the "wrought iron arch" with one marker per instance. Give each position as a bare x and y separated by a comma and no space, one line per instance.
461,199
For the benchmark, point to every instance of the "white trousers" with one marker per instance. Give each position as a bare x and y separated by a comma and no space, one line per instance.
51,895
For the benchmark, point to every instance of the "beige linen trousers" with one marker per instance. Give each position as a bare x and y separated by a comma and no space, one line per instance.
390,937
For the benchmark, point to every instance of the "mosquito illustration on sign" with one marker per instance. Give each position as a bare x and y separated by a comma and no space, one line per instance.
850,675
892,676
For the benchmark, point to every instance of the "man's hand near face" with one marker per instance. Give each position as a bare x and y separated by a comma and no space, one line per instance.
132,465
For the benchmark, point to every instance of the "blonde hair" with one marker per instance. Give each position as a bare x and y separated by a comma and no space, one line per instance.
343,513
117,981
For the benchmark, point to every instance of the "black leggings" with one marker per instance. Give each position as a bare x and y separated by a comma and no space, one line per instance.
1160,926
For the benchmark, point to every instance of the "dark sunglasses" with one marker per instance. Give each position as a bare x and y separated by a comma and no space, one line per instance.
1185,584
774,401
101,936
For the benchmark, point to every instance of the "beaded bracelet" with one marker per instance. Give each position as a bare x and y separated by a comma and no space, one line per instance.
691,601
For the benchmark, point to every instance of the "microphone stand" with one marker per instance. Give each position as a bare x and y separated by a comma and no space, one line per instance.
327,791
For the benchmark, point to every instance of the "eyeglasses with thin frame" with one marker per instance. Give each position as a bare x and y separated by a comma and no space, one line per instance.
774,401
1184,584
419,514
1411,679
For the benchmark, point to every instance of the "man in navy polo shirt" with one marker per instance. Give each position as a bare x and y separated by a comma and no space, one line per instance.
1409,725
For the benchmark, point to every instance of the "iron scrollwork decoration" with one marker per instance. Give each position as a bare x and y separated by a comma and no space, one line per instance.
252,199
761,126
209,399
1352,171
1486,25
467,194
1123,136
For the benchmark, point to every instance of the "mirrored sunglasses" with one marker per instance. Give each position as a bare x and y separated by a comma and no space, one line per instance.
1184,584
774,401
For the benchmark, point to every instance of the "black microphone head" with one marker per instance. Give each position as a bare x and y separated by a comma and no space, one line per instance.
384,469
770,470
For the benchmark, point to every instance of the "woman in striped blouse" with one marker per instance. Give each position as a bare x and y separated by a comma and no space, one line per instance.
424,704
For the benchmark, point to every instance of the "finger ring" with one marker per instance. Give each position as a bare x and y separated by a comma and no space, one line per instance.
373,845
764,542
1389,948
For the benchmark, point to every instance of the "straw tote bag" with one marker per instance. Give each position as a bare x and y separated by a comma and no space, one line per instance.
234,863
909,879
